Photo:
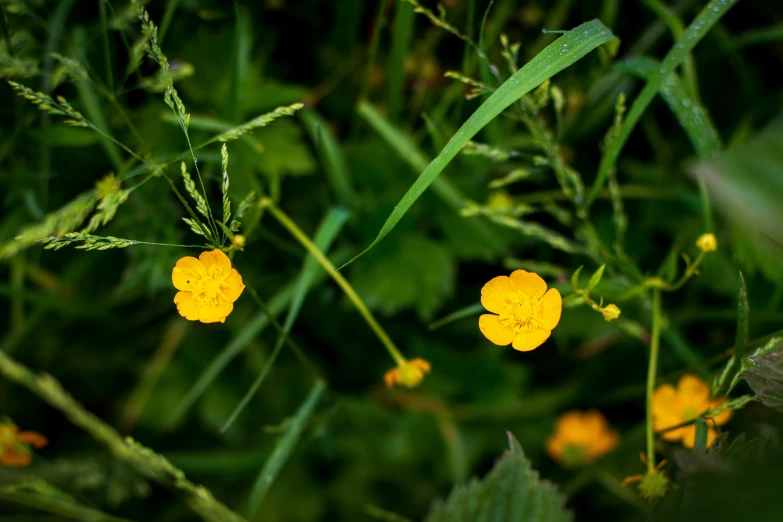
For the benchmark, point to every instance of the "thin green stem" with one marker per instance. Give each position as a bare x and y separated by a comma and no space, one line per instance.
300,236
652,371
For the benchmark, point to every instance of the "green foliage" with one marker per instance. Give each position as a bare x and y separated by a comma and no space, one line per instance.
763,371
511,492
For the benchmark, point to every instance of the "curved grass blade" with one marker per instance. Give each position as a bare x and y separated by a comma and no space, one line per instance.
557,56
700,26
283,449
691,115
468,311
290,296
408,151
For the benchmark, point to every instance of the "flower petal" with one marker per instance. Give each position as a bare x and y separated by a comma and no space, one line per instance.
15,459
215,314
494,330
526,341
187,271
187,306
667,411
217,263
551,308
721,418
528,283
32,438
235,286
495,294
688,434
693,392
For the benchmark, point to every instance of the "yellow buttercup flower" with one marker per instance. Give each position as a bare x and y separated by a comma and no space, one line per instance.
14,445
526,311
208,287
707,243
690,399
408,374
580,438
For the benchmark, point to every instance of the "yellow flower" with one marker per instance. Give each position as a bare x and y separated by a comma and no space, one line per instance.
707,243
408,374
611,313
209,287
14,445
526,311
580,438
690,399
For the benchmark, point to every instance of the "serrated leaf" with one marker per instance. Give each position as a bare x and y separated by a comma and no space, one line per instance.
511,492
420,274
764,374
596,277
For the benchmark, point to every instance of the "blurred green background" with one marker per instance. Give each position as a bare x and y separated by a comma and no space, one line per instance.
104,323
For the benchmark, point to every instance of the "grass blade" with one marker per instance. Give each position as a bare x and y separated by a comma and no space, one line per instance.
691,115
283,448
327,231
557,56
331,156
401,39
700,26
468,311
277,304
407,149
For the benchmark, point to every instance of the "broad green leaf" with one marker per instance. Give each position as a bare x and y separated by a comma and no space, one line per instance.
420,274
701,25
283,449
511,492
764,374
691,115
554,58
744,182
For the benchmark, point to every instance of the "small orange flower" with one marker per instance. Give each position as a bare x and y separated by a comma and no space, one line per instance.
688,401
14,445
208,287
526,311
408,374
580,438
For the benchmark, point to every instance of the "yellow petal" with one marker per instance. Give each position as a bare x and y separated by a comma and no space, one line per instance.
721,418
187,271
235,286
187,306
495,294
217,263
215,314
14,458
526,341
528,283
693,392
551,308
32,438
494,330
689,436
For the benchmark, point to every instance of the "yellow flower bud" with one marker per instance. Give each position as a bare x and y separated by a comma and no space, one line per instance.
707,243
611,313
238,242
408,374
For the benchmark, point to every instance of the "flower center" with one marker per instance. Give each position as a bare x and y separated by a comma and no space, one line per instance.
689,413
210,290
521,313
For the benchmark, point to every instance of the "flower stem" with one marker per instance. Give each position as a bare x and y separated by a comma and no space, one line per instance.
652,370
327,265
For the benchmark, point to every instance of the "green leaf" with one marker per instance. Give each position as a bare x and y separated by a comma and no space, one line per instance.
557,56
511,492
596,277
764,374
420,274
744,182
740,341
575,279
